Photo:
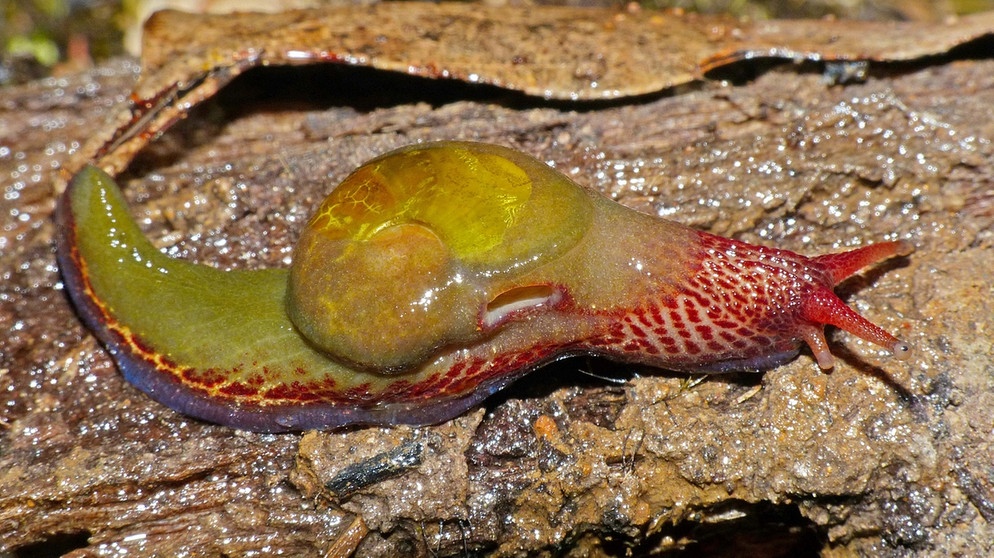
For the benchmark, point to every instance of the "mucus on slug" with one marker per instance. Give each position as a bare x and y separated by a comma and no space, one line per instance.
369,325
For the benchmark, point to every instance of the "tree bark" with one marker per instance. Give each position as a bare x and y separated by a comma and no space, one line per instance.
880,456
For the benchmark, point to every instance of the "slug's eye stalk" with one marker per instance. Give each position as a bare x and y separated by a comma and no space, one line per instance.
822,306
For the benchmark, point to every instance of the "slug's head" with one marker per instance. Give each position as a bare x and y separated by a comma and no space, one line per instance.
421,248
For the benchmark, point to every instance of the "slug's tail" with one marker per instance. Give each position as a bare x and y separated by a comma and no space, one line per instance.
823,307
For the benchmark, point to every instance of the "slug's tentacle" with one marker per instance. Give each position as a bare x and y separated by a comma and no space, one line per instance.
429,279
823,307
846,264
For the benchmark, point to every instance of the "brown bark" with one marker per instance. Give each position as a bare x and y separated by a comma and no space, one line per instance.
880,457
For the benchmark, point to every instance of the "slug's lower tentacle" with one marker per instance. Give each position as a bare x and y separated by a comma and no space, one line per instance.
431,278
823,307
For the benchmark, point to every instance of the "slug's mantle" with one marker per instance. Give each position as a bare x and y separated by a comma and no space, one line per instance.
432,277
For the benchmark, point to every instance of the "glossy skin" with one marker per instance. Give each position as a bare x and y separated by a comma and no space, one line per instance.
432,277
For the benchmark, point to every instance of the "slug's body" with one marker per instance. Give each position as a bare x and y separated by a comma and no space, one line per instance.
429,279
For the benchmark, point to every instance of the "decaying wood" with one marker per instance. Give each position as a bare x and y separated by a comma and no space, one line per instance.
546,51
880,457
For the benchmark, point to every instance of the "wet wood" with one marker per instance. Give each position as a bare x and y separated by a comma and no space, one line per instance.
879,457
549,52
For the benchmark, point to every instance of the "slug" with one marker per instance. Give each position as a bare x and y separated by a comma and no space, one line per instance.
430,278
